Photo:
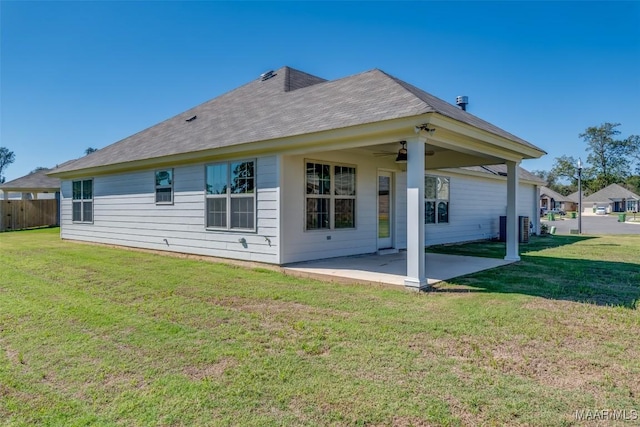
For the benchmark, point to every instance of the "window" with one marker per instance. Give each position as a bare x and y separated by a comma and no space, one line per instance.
231,196
164,186
82,203
436,199
330,201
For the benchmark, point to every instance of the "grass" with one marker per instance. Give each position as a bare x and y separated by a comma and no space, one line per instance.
597,270
91,335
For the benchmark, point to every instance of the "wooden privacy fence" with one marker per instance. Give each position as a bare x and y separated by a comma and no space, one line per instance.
21,214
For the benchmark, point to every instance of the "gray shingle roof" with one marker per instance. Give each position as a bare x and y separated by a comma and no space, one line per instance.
546,191
502,171
612,192
36,180
32,181
290,103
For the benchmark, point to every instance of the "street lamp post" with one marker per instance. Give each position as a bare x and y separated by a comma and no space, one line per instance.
579,196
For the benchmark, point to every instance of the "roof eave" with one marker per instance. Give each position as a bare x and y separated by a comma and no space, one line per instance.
30,189
476,134
333,139
486,175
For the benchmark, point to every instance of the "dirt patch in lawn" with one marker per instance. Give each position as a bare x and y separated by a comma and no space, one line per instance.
578,348
214,370
278,311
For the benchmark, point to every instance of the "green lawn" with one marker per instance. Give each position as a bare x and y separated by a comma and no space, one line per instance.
91,335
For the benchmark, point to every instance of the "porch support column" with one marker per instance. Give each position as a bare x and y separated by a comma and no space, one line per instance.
416,263
536,210
512,212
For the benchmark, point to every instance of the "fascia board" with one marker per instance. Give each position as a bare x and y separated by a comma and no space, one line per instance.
438,120
335,139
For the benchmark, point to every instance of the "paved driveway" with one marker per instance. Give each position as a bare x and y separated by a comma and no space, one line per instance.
594,224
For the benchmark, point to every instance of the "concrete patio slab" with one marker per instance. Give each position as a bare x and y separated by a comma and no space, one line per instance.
391,268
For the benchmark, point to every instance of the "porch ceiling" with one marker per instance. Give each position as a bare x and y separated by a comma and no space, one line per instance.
437,157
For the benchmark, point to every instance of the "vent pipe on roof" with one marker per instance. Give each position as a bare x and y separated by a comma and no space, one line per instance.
267,75
462,101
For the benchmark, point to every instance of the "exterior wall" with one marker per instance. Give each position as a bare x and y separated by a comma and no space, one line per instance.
302,245
125,213
475,206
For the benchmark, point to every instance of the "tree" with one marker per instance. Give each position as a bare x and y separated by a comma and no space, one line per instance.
546,176
633,184
633,145
90,150
6,158
566,167
607,156
38,169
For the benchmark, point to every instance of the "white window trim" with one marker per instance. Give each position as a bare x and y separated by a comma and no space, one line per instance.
436,200
158,187
331,196
83,201
230,196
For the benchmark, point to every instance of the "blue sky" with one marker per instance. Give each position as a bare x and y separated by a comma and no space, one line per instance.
87,74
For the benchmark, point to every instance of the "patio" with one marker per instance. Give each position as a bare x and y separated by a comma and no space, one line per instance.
390,269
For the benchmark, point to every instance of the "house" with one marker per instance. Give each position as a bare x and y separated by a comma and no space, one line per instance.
36,185
614,198
550,199
30,201
292,167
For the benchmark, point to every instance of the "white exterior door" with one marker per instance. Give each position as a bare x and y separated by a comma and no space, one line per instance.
385,210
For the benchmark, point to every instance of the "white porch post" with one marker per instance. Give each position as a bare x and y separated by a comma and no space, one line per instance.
536,210
512,212
416,268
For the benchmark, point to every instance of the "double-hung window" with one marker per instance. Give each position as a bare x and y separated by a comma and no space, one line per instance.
330,201
164,186
436,203
82,203
231,195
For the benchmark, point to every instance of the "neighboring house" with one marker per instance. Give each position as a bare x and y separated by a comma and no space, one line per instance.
614,198
36,185
30,201
550,199
291,167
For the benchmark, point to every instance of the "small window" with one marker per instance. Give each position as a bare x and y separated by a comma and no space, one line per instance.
436,199
82,201
231,195
164,187
331,196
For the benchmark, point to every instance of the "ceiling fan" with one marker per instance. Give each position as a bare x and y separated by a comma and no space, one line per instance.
401,155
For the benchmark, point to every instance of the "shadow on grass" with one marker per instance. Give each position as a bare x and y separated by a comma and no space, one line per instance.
571,279
496,249
40,227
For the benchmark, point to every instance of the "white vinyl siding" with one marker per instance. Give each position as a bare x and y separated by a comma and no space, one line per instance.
476,204
126,214
300,244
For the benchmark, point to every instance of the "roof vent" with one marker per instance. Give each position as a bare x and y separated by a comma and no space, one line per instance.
267,75
462,101
192,118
